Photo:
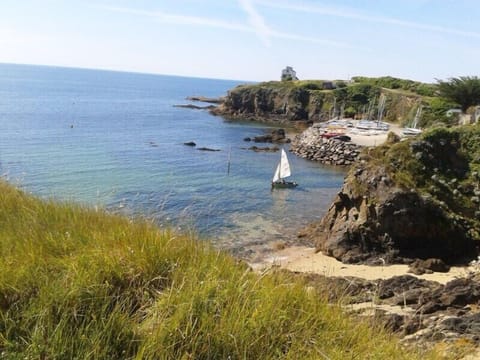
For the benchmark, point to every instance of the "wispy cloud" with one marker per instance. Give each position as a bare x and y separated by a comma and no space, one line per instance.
352,14
181,19
256,21
313,40
256,24
433,28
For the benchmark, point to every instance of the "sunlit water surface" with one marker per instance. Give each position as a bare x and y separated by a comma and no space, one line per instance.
115,140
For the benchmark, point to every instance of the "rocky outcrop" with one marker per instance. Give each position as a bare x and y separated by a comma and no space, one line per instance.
206,99
390,210
264,149
311,145
277,136
207,149
279,103
195,107
428,266
434,312
419,311
389,223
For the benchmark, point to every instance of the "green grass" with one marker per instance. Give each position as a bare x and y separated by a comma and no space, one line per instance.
82,284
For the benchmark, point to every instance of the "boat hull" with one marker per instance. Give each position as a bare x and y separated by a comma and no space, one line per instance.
284,184
411,131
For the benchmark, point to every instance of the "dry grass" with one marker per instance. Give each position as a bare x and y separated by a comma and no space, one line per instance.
76,283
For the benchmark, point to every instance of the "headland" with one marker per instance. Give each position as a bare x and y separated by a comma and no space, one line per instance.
408,214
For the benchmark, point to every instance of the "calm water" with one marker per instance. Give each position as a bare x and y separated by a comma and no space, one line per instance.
115,140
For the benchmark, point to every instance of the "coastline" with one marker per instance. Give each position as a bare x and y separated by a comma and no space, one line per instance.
306,260
425,310
299,258
296,255
439,307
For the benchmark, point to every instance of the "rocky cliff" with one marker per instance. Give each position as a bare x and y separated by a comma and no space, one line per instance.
276,104
418,198
305,102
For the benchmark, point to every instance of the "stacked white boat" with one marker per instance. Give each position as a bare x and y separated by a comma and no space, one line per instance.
413,130
373,127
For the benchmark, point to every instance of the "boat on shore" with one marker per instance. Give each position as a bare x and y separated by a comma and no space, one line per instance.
372,125
378,124
413,130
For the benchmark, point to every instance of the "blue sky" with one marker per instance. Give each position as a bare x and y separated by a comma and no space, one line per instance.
247,39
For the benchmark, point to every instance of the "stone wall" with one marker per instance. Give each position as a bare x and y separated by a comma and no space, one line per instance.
311,145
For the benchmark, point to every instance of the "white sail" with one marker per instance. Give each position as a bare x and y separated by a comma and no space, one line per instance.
276,176
283,168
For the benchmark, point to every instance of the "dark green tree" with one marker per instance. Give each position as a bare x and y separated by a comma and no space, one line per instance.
464,90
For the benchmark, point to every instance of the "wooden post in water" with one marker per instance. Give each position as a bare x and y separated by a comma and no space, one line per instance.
229,158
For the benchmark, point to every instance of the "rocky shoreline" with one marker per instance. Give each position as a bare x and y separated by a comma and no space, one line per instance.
420,312
312,146
428,310
211,100
401,203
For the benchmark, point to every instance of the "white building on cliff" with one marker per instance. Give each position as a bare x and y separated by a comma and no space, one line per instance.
289,74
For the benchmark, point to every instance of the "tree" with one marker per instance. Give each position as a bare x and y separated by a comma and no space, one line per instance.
465,91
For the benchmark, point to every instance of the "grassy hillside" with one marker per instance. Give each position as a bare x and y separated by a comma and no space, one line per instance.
76,283
315,100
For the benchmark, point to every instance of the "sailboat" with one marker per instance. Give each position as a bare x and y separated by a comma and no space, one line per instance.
413,130
283,171
374,125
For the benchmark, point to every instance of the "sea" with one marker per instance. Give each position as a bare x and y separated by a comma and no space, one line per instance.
115,140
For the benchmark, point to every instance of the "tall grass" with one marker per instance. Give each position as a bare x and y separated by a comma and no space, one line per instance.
81,284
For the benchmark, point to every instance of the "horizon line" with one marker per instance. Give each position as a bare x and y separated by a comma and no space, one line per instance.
139,72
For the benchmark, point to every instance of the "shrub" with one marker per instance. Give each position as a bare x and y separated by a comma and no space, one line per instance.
464,90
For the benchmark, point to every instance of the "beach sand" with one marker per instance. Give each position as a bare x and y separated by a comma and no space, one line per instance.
304,259
374,139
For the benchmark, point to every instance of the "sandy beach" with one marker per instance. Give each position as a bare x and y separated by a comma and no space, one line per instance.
372,139
305,259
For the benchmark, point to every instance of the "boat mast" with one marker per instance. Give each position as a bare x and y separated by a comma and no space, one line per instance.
381,108
280,166
417,116
334,108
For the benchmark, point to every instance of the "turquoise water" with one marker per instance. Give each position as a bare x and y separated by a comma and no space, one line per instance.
115,140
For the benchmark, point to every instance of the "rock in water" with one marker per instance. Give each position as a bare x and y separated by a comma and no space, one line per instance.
207,149
275,136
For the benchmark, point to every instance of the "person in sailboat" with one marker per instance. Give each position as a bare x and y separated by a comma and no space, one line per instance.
279,183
